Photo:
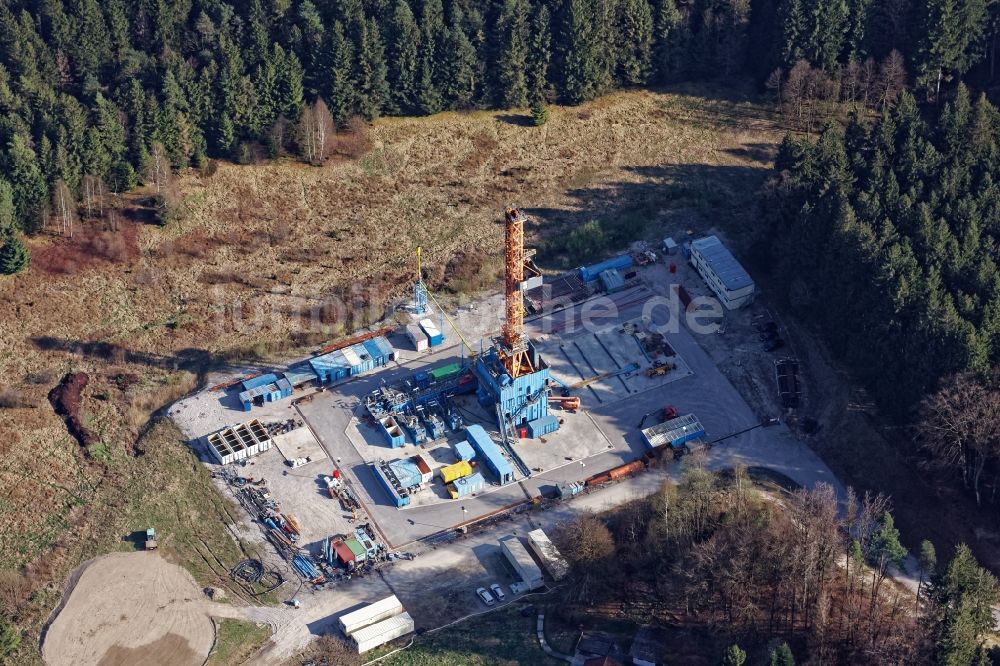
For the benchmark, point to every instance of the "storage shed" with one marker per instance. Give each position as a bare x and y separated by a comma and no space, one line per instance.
522,562
370,614
353,360
382,632
722,272
265,388
489,454
343,554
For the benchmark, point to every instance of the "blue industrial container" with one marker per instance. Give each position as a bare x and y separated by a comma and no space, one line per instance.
467,485
591,273
434,334
394,496
489,454
542,426
464,451
392,432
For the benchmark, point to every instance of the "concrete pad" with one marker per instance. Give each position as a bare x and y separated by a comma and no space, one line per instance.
299,443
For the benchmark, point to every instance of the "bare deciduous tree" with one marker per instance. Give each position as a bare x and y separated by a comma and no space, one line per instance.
891,79
315,133
961,428
64,207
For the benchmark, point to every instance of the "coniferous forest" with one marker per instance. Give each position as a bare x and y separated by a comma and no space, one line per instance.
94,96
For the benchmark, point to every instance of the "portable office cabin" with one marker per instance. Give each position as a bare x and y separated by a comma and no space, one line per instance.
360,552
467,485
522,562
373,636
489,454
417,337
722,272
370,614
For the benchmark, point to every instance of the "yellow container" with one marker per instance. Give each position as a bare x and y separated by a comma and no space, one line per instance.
451,472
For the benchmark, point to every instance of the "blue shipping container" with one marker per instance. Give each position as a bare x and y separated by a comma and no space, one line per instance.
542,426
591,273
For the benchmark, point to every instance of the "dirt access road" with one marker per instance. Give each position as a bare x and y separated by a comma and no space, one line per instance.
132,608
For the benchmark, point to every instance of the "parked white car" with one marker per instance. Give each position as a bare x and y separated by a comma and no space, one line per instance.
498,592
485,596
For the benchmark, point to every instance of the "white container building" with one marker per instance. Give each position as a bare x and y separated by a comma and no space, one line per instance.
239,442
416,337
382,632
370,614
723,273
548,554
521,560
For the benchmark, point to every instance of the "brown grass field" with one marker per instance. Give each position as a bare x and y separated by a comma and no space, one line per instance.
146,310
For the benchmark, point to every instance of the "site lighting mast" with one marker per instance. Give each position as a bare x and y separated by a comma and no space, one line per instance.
419,290
513,343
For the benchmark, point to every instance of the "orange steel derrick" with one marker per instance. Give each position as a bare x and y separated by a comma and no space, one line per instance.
514,348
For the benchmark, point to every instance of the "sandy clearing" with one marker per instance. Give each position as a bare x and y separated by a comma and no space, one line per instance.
133,608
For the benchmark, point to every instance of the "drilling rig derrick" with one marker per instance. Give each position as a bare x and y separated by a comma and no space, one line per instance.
513,347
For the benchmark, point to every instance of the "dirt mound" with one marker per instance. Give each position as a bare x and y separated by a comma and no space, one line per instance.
133,608
66,399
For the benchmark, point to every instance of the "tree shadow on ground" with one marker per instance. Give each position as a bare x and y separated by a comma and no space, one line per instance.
517,119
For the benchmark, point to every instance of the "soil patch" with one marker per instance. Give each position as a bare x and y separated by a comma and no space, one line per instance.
66,399
133,608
